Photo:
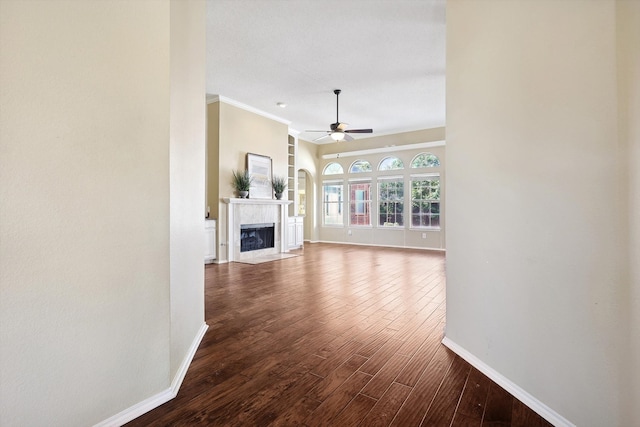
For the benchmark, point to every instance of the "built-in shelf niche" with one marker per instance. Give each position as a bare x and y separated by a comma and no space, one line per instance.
292,174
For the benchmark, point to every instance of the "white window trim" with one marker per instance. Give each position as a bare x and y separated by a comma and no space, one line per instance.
390,178
425,175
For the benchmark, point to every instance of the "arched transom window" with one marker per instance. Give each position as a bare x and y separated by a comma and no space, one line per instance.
425,160
390,163
333,169
360,166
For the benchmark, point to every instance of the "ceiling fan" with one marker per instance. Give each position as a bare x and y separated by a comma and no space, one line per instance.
339,130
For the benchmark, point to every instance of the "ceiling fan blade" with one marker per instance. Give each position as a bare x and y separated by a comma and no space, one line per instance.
359,131
321,137
347,138
318,131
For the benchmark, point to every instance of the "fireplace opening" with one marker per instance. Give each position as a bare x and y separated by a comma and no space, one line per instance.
256,236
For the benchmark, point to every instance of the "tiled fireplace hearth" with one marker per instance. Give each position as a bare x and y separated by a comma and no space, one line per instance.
243,213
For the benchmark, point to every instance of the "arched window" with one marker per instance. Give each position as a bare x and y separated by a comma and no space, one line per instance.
425,160
390,163
360,166
333,169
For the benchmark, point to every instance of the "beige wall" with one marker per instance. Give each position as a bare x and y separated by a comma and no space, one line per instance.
213,160
241,132
307,160
187,176
536,281
402,237
87,176
628,20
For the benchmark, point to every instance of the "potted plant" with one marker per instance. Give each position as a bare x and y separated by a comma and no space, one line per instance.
242,182
279,184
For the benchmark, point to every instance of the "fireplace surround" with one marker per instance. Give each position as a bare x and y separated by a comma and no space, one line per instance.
242,213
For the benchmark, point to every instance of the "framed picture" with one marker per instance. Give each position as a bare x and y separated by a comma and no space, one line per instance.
260,169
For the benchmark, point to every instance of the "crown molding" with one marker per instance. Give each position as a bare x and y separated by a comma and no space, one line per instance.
389,149
211,99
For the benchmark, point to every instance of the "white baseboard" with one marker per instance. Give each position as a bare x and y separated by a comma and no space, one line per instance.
382,246
164,396
540,408
184,366
138,409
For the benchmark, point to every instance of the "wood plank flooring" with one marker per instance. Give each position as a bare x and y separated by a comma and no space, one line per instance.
338,336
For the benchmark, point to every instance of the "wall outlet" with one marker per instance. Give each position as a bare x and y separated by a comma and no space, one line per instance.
424,235
349,232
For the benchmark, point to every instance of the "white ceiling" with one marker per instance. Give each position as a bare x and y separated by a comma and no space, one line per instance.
387,57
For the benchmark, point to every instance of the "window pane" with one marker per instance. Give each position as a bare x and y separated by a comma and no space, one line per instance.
332,169
425,160
332,204
435,220
425,202
360,203
360,166
390,163
391,203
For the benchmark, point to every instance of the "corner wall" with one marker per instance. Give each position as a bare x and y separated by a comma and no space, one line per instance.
187,181
84,218
537,287
628,20
101,228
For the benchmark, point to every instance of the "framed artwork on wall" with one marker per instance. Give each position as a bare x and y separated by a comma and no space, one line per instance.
260,169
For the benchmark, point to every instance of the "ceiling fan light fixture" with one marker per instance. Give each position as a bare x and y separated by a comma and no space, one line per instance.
337,136
338,130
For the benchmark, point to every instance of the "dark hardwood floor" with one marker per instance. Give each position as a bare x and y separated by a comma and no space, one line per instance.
338,336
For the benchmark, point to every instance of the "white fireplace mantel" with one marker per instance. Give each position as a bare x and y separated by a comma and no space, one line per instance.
267,210
235,201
